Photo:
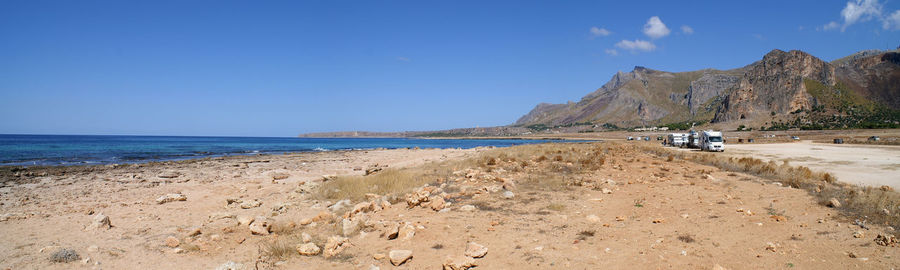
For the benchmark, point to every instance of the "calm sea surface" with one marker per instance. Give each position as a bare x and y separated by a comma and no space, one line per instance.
87,149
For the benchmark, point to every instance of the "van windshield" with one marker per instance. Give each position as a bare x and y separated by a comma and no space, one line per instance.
715,139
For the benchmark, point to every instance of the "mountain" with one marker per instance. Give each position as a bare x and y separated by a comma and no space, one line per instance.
787,88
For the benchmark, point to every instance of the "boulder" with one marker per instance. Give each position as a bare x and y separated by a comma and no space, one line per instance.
887,240
101,221
475,250
437,203
458,263
399,256
260,226
308,249
406,231
335,245
172,242
171,197
393,231
833,203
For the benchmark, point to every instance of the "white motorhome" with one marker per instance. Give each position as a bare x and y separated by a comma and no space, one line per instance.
712,141
677,139
693,140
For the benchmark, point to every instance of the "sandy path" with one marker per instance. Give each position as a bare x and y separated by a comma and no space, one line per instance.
856,164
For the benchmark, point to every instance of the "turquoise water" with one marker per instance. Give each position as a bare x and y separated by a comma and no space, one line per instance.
86,149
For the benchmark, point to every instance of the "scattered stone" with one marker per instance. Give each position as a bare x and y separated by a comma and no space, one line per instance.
280,176
606,191
406,231
458,263
178,250
101,221
169,175
771,247
86,260
329,177
250,204
475,250
349,226
719,267
620,218
260,226
244,220
373,267
64,255
372,170
887,240
859,234
593,218
305,237
508,195
305,221
852,255
378,256
172,242
400,256
230,266
393,231
778,218
335,245
93,248
467,208
658,220
833,203
437,203
171,197
323,216
308,249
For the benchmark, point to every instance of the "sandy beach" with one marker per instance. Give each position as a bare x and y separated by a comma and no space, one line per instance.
580,206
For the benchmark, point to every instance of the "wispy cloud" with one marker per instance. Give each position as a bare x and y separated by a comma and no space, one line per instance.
612,52
759,36
402,59
599,32
859,11
687,30
636,45
655,28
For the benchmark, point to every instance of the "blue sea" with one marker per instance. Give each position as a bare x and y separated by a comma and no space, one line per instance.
30,150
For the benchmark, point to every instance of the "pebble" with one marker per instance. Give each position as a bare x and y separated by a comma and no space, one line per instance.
467,208
171,197
508,195
101,221
308,249
172,242
458,263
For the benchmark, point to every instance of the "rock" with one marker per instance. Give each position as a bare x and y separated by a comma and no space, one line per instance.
606,191
308,249
493,188
335,245
171,197
260,226
323,216
851,254
230,266
859,234
363,207
399,256
336,207
886,240
168,175
508,195
475,250
372,170
437,203
305,237
378,256
329,177
305,221
719,267
416,198
101,221
593,218
93,248
244,220
64,255
458,263
349,226
280,176
833,203
406,231
250,204
172,242
393,232
467,208
373,267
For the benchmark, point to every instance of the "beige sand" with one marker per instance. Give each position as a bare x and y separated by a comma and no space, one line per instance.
856,164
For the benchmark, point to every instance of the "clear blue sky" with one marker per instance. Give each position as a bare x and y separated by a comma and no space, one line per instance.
272,68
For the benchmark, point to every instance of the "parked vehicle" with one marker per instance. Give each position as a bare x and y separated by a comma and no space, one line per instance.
647,138
677,139
712,141
693,140
796,138
874,139
630,138
838,141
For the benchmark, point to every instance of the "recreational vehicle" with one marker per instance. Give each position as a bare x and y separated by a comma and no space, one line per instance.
712,141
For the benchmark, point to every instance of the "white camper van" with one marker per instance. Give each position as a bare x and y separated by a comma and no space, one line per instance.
677,139
712,141
693,140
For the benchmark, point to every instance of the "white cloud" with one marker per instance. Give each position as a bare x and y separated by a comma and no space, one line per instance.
830,26
599,32
892,22
636,45
612,52
860,11
687,30
655,28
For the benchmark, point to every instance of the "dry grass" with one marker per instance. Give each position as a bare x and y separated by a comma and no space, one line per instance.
278,248
873,204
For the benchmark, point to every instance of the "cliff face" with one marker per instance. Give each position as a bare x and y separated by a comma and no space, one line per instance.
642,96
775,84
